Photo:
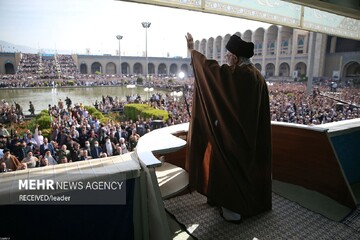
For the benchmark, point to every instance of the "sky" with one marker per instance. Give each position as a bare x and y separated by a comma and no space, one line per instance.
77,25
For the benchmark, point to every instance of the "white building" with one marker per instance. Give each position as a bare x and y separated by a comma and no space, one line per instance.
284,53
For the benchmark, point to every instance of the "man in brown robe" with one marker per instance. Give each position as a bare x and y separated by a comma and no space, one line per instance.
229,139
10,160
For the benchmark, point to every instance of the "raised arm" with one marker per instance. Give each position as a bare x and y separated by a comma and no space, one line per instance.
190,42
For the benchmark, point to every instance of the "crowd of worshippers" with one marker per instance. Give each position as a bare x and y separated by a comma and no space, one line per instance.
37,70
67,65
24,80
77,136
46,67
290,103
79,141
29,63
10,112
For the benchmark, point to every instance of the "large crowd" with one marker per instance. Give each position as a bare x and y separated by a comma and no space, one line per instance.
290,103
39,70
76,135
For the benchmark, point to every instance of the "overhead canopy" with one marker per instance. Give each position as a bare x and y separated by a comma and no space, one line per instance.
329,17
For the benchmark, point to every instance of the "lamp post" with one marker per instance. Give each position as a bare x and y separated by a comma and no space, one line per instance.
176,95
131,86
119,37
147,90
146,25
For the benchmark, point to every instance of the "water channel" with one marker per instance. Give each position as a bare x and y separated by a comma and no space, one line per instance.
42,97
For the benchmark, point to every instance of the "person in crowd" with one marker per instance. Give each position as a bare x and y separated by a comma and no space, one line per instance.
3,131
55,131
20,150
3,167
83,136
19,109
46,146
73,148
63,152
118,150
229,142
140,128
133,140
50,158
14,142
75,152
96,150
112,137
43,161
74,133
63,160
61,104
30,160
117,133
93,138
84,155
87,147
124,133
10,160
61,138
68,102
3,145
31,147
31,108
109,147
29,138
39,138
123,145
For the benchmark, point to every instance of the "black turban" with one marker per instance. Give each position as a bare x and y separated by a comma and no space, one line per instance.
239,47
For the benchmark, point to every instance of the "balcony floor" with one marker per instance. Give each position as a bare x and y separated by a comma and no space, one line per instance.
286,220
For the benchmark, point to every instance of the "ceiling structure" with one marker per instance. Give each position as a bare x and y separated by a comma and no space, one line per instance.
333,17
346,8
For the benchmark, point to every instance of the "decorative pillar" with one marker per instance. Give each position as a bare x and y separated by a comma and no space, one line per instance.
277,52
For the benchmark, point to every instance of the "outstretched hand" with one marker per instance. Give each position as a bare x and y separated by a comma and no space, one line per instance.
190,41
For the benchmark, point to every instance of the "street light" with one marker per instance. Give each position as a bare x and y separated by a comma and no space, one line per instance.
176,95
131,86
147,90
181,75
119,37
146,25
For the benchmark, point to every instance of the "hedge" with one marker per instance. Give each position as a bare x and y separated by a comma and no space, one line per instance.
133,110
94,112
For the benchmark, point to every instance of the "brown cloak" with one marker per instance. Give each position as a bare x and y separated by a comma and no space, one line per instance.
229,139
13,163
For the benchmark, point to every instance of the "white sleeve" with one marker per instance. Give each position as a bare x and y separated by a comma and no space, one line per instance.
36,136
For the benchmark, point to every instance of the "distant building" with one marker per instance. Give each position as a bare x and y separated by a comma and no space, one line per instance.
11,63
283,53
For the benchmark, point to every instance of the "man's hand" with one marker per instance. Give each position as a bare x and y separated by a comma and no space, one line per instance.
190,41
